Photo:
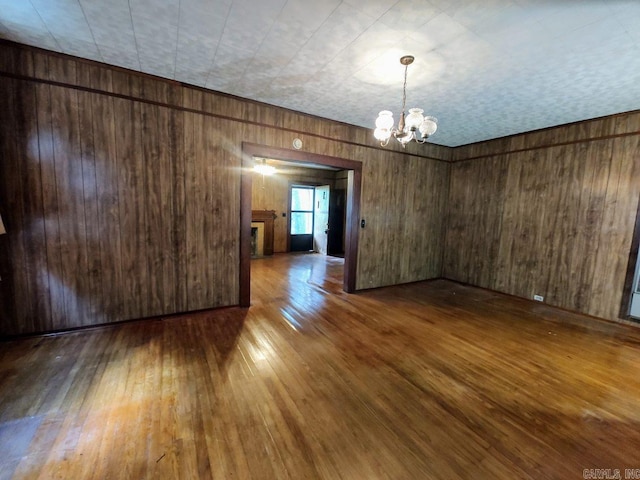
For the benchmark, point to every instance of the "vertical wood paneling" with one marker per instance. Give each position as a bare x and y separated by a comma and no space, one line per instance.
178,209
120,208
614,235
553,165
468,251
155,244
225,214
423,224
45,140
96,307
609,238
127,159
209,161
35,261
195,207
526,218
272,193
565,224
566,216
70,206
596,157
14,273
164,235
370,236
404,209
212,217
190,216
108,234
138,254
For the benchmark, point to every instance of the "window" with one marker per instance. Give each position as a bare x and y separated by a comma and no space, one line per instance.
302,210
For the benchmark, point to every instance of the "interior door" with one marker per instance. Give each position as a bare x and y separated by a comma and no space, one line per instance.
337,213
321,219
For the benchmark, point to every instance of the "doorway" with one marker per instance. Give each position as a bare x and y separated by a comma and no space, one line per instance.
635,293
630,305
337,218
321,219
352,209
302,218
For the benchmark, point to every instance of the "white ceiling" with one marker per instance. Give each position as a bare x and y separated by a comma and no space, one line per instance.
486,69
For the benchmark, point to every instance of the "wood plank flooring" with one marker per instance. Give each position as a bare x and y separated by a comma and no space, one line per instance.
432,380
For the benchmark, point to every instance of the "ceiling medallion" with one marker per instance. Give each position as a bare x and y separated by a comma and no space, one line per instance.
407,127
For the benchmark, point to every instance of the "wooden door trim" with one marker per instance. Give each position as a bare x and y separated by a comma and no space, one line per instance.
354,189
290,185
625,305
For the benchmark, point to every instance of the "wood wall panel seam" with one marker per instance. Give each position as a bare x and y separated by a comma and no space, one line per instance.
541,147
215,115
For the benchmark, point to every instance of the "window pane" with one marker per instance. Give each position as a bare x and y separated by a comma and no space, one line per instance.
302,199
301,223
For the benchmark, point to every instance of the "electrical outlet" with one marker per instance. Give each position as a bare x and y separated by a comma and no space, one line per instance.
538,298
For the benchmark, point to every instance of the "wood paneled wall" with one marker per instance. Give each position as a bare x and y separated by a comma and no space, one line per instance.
272,193
120,193
548,213
404,206
105,215
341,180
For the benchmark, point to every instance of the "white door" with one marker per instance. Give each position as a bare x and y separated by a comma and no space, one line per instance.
321,219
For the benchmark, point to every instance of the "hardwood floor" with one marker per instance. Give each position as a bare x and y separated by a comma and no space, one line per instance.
432,380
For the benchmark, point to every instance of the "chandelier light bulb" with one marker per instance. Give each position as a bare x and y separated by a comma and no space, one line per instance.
414,119
385,120
409,124
382,134
428,126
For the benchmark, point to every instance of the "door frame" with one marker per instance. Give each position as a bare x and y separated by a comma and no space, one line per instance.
354,189
319,229
291,186
625,304
343,194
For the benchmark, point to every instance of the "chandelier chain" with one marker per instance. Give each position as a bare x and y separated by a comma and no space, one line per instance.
404,89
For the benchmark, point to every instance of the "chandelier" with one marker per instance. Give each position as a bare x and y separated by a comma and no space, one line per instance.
407,126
